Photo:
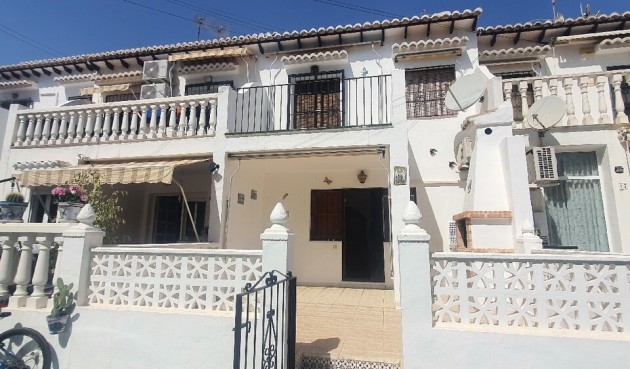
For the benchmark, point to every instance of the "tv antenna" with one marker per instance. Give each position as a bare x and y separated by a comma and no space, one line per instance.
465,92
545,113
215,28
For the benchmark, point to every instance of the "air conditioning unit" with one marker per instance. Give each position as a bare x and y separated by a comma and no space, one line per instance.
154,91
155,70
545,164
464,152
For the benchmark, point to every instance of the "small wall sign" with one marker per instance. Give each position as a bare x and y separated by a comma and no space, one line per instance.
254,195
241,198
400,176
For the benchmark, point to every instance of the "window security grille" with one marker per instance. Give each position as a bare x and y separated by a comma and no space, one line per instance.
545,164
425,91
318,100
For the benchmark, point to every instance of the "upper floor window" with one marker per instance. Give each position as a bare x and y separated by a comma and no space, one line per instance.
317,99
121,97
426,89
206,87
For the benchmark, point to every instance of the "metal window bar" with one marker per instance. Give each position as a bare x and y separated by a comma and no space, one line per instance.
425,91
264,323
321,101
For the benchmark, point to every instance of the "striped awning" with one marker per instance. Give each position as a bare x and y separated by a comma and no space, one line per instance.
101,89
208,54
109,173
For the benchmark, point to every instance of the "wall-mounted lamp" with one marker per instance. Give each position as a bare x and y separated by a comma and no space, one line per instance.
213,167
362,177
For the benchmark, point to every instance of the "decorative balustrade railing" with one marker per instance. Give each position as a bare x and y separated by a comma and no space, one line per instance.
317,102
118,121
25,262
586,293
198,279
591,98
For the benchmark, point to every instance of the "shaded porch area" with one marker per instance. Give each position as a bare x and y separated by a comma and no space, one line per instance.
347,325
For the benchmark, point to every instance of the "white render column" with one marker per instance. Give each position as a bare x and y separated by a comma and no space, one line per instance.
6,264
73,265
398,158
415,274
277,242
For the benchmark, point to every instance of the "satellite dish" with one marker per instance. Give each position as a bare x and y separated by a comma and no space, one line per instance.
546,113
465,92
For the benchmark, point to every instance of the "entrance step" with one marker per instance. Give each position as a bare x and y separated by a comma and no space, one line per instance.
322,362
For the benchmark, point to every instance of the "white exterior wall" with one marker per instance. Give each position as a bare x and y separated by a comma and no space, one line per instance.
102,338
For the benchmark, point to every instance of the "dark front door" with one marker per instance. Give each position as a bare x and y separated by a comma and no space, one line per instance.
363,259
168,218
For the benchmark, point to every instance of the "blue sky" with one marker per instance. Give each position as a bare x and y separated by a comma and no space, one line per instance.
52,28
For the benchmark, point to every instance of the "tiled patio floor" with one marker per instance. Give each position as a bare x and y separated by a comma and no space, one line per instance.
347,323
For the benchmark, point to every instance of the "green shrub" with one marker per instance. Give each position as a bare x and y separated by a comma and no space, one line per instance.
15,197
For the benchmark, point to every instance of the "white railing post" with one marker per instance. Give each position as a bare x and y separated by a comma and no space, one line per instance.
153,121
172,119
7,264
46,129
73,265
602,104
202,117
98,123
620,116
39,126
182,120
192,120
23,273
277,242
213,117
538,87
30,130
587,119
112,128
21,135
63,128
80,131
134,133
415,285
143,130
54,130
124,128
568,90
38,298
162,124
89,125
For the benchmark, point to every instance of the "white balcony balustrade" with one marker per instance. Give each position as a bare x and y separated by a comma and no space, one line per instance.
25,262
593,98
118,121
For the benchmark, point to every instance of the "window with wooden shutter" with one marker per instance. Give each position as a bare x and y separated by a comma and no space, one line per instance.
327,219
425,91
317,100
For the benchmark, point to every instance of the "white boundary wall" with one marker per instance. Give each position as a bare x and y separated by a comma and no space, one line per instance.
576,315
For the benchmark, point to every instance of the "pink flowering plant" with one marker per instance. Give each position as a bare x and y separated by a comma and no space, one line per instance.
72,194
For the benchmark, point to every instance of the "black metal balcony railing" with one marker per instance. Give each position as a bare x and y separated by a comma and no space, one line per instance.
322,103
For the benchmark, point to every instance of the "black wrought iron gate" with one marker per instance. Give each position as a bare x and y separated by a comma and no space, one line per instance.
264,325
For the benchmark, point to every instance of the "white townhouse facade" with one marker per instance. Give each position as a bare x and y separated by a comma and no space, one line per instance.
342,125
515,250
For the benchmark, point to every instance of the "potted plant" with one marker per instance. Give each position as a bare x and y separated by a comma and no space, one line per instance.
69,201
12,209
63,305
